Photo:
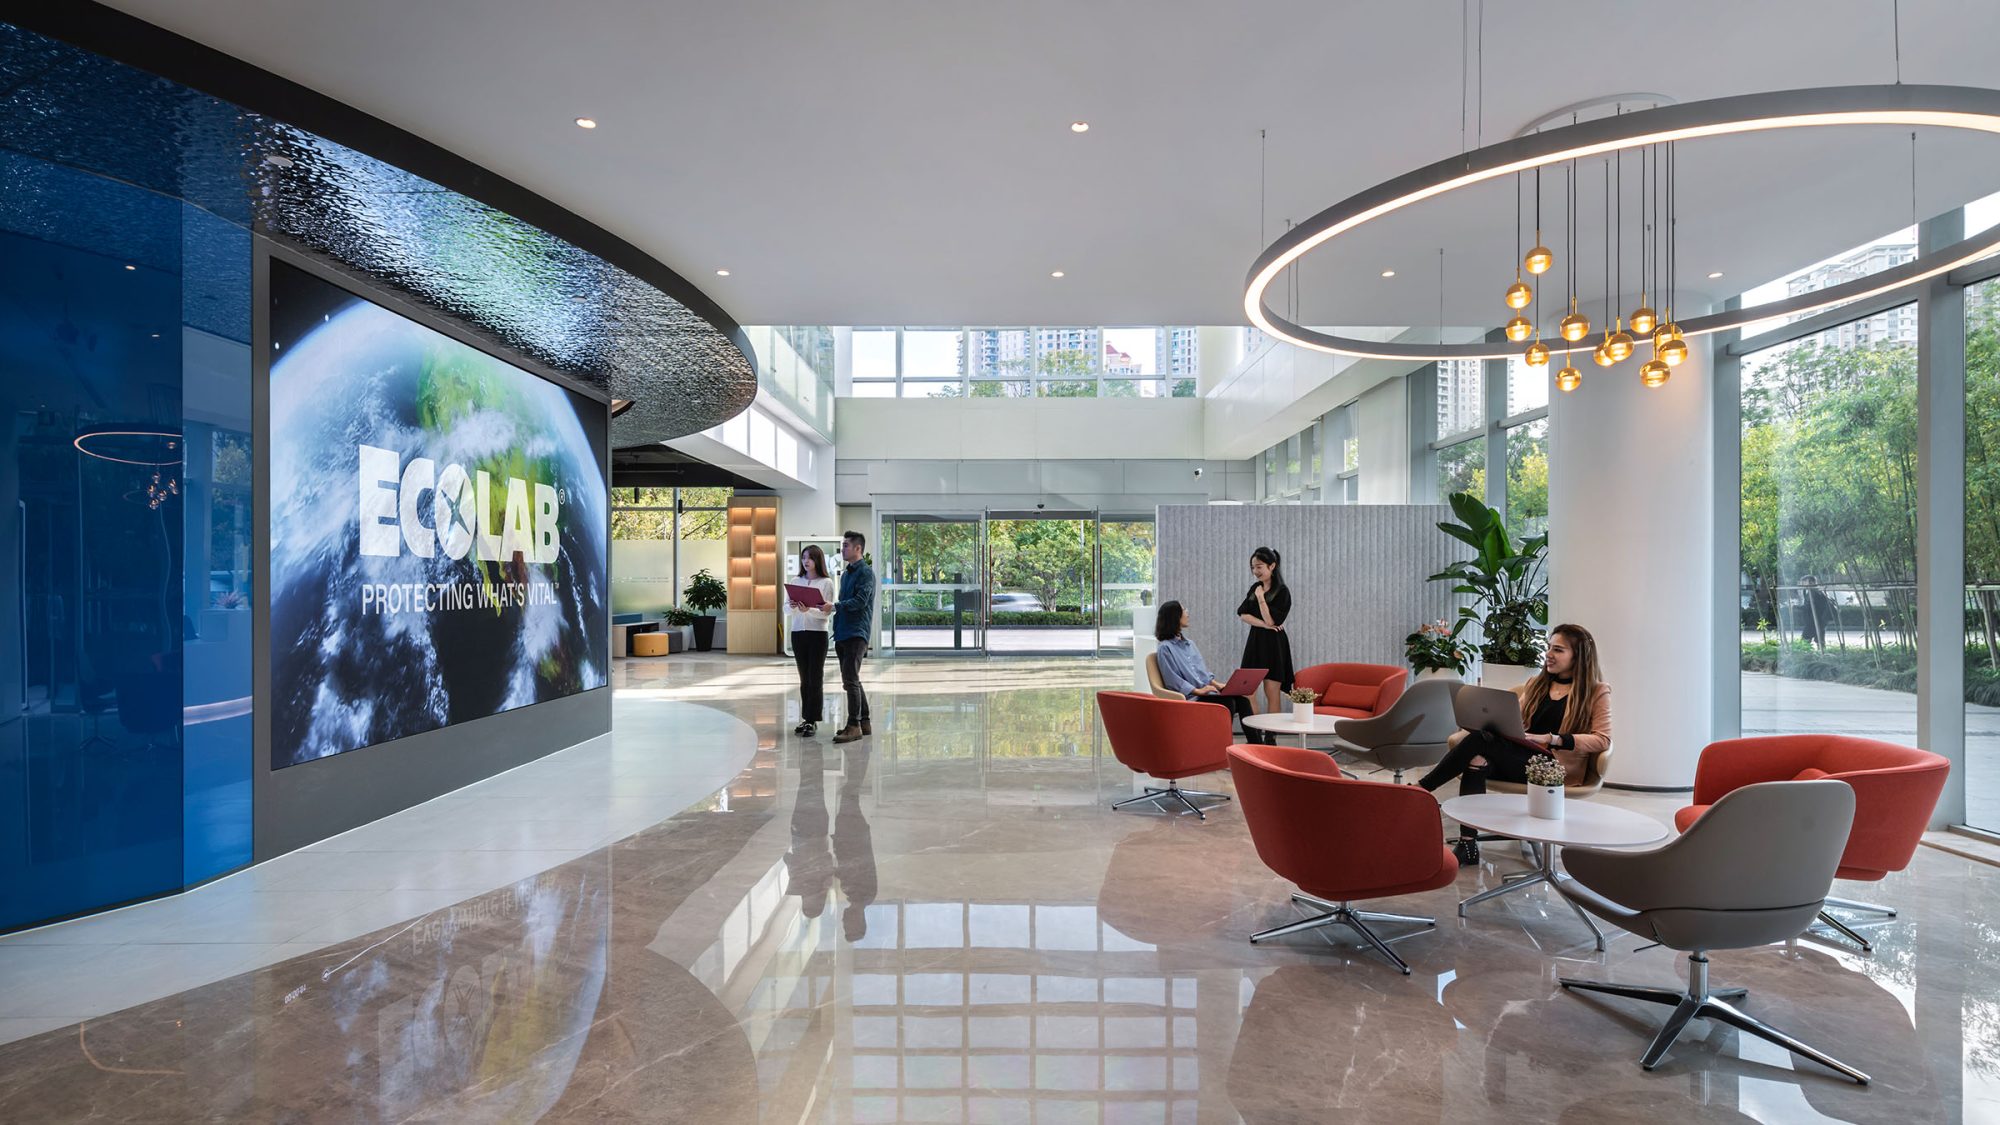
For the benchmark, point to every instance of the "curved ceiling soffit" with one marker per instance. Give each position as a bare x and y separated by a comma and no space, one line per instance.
508,266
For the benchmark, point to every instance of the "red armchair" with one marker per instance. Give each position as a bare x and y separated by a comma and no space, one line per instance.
1166,738
1340,840
1353,691
1895,791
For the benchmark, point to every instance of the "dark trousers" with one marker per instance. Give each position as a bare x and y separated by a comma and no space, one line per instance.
1237,705
1505,761
850,652
809,650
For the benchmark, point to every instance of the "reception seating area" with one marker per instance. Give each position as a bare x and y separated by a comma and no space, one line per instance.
1752,862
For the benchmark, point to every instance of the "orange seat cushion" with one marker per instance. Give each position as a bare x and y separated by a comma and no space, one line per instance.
1687,816
1343,712
1360,696
1447,873
1810,774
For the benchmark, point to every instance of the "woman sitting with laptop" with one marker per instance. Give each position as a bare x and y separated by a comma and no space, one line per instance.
1183,670
1566,712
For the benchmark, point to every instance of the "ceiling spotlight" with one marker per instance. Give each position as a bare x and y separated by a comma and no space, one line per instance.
1716,274
1055,273
156,335
130,266
586,122
722,273
1079,126
1388,273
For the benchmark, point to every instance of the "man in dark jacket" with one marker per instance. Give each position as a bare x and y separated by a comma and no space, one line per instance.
853,616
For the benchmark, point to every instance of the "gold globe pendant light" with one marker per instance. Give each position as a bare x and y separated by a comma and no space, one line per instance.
1575,326
1518,295
1540,259
1655,373
1674,351
1569,378
1538,354
1601,354
1618,345
1519,329
1644,319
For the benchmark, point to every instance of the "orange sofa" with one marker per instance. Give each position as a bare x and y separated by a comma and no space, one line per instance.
1353,691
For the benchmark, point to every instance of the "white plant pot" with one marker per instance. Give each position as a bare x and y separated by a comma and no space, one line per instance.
1506,676
1302,712
1545,801
1435,674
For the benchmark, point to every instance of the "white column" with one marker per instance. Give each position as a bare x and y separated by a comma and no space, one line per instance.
1631,479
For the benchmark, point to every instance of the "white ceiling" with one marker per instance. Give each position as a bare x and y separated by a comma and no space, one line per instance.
911,162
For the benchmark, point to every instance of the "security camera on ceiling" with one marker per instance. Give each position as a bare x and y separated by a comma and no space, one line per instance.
1197,471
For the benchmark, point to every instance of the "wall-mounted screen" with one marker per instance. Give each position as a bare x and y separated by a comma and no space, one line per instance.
438,528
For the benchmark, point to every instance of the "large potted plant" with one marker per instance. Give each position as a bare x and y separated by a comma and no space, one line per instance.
1509,585
705,592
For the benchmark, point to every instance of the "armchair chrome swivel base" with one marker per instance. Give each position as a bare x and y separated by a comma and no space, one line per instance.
1343,914
1172,794
1827,918
1697,1002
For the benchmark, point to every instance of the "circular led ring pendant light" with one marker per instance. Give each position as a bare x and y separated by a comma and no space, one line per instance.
1946,107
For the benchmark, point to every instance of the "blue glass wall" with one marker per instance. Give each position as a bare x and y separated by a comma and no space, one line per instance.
100,778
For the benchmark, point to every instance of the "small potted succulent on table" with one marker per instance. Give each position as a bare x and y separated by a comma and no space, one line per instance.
1302,704
1545,787
1435,652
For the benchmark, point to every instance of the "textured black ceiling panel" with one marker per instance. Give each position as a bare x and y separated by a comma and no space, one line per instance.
507,280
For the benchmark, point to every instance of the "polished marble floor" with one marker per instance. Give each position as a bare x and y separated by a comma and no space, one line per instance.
944,922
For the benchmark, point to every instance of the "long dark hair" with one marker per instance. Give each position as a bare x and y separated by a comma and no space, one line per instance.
1586,676
1167,625
818,558
1269,558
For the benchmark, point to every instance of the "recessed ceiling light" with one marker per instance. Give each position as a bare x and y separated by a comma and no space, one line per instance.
156,335
722,273
1055,273
1079,126
586,122
1716,274
1388,273
130,266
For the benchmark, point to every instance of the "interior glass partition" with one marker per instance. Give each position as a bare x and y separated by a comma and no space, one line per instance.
932,584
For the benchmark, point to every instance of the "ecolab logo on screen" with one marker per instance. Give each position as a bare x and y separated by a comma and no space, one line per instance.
461,524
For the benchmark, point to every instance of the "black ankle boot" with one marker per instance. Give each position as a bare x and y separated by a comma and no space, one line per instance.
1467,851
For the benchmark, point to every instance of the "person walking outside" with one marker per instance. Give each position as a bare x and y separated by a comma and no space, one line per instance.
853,614
809,638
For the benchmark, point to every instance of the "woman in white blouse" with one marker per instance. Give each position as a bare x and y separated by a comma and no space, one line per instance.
808,625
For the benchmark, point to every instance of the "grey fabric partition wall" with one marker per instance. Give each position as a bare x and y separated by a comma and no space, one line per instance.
1356,571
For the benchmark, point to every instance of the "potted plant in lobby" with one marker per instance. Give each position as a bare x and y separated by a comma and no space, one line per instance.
681,620
1545,787
1509,585
705,592
1302,704
1436,653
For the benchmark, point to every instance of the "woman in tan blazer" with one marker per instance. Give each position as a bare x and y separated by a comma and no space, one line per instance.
1566,710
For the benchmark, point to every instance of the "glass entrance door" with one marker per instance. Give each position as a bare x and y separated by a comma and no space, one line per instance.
931,578
1126,550
1041,582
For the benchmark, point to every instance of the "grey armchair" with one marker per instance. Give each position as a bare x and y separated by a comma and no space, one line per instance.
1759,873
1411,734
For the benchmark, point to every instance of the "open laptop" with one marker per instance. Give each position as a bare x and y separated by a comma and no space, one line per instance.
1244,681
1491,709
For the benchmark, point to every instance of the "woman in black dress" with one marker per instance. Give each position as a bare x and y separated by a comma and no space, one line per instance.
1264,609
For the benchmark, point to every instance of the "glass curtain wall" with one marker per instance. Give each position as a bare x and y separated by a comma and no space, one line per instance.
660,538
1041,587
1128,548
1829,537
1982,555
1051,362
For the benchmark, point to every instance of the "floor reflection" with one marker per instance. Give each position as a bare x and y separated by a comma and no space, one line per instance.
945,923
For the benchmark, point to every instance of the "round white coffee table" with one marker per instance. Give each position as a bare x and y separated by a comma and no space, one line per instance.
1282,722
1584,823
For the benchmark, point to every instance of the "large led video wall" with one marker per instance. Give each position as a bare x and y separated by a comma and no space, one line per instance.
438,528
